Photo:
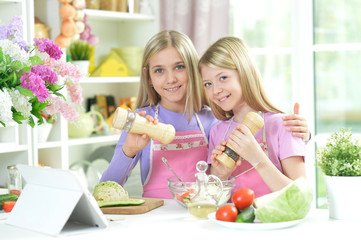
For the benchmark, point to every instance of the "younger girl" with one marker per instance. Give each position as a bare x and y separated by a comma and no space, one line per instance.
273,157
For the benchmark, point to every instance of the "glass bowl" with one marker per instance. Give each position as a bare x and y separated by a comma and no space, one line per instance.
183,191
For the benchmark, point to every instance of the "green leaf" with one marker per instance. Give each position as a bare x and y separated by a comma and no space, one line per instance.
7,59
16,65
24,91
36,60
25,69
55,88
31,122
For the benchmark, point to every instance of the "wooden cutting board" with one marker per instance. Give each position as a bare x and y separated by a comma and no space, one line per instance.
149,204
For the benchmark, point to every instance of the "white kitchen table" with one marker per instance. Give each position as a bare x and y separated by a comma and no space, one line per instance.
172,221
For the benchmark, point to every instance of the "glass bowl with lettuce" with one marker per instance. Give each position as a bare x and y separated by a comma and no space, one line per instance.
183,191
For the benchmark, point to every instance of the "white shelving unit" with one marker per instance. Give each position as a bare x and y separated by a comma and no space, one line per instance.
114,29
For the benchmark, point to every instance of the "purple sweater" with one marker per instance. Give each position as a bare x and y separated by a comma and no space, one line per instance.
121,165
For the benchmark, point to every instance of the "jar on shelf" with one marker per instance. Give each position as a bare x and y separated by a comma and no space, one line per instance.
14,180
93,4
108,5
122,5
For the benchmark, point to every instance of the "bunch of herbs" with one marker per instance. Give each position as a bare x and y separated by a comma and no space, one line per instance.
79,50
341,156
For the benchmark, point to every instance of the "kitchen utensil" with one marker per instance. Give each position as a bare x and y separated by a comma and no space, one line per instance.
150,204
254,122
132,122
167,164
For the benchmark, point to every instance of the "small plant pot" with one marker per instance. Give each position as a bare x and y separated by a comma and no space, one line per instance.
83,66
343,197
44,132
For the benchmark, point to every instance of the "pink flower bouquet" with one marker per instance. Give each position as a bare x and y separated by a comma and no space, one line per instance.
30,85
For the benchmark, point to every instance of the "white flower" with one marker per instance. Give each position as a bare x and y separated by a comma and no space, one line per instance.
6,115
14,51
21,103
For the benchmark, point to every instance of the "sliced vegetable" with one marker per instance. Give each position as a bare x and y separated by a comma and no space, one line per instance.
290,203
8,205
121,202
108,191
184,197
7,197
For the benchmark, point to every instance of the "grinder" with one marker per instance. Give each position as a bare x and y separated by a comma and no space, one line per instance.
134,123
254,122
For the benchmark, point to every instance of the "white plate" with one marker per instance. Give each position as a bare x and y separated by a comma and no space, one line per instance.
255,225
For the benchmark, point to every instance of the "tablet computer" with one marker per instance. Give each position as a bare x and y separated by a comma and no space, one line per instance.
55,201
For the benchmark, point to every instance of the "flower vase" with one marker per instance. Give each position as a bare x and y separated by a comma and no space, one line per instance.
343,197
44,132
83,66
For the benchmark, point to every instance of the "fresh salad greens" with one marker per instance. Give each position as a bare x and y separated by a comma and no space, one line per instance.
291,203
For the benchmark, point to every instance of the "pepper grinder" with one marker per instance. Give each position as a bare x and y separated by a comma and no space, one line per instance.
132,122
254,122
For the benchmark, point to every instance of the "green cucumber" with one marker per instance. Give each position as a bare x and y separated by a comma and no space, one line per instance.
121,202
246,215
7,197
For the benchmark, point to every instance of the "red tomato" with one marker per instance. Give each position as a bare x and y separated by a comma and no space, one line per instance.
8,205
243,198
227,213
183,196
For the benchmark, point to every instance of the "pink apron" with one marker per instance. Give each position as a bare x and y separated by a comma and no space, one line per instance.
183,153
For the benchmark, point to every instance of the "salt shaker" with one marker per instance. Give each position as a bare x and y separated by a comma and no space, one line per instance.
14,180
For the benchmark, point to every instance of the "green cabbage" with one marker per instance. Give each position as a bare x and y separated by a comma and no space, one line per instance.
109,191
290,203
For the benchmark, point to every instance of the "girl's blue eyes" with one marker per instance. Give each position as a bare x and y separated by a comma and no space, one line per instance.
160,70
179,67
208,84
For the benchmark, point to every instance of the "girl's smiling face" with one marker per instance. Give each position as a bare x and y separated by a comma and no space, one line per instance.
223,87
169,78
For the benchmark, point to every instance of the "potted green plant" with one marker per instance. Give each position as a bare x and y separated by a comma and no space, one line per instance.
340,161
79,53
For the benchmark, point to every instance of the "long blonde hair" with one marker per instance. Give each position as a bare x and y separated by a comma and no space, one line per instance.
196,98
232,53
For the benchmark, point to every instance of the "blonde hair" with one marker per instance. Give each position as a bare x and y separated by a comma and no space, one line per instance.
232,53
196,96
